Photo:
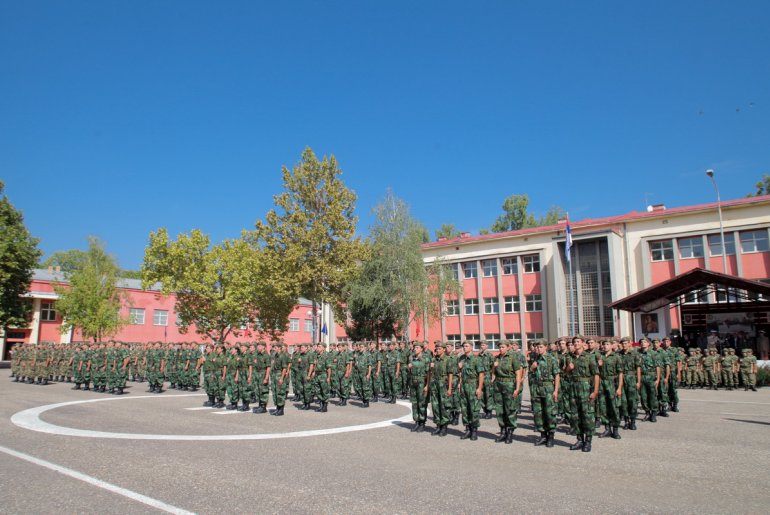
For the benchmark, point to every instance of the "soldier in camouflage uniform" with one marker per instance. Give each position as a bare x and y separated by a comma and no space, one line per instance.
676,360
585,376
211,375
544,383
345,372
748,367
454,400
403,360
632,383
664,360
710,367
322,377
442,382
280,369
507,378
392,372
362,371
730,368
419,368
610,389
487,395
651,374
472,372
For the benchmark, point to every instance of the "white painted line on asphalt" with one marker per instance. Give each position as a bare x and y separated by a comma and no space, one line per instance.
229,412
149,501
30,419
199,408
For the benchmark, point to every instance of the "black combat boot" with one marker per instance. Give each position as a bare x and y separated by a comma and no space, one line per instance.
278,411
675,407
662,412
598,423
76,387
509,436
443,430
244,406
577,445
392,399
232,406
607,431
86,388
466,434
502,435
414,427
455,419
103,388
421,426
632,424
615,434
587,445
487,414
152,389
474,434
118,391
220,403
376,398
365,404
306,406
549,442
344,402
436,431
262,408
542,440
324,407
652,417
209,403
172,386
647,416
753,388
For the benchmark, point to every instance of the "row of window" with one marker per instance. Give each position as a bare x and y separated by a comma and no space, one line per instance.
294,325
751,241
511,304
136,316
492,339
510,266
722,295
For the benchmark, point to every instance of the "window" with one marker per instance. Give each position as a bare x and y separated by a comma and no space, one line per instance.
455,268
662,250
473,339
490,267
309,326
754,241
514,337
696,297
534,302
531,263
492,340
136,316
510,266
343,339
452,307
47,312
453,338
512,304
715,244
294,324
534,336
691,247
159,317
471,306
729,295
491,306
469,270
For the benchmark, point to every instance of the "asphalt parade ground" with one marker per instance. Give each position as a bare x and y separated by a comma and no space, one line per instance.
64,451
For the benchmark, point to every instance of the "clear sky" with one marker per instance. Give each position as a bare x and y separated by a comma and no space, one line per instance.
117,118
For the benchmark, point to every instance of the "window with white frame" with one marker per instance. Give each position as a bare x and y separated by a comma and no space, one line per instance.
452,307
136,316
510,266
534,302
691,247
343,339
514,337
715,244
754,241
727,295
531,263
47,312
493,341
471,306
662,250
490,267
159,317
491,305
469,270
474,340
511,304
309,326
455,268
453,338
534,336
696,297
294,324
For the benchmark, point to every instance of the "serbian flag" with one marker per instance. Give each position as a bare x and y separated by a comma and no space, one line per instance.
323,329
568,242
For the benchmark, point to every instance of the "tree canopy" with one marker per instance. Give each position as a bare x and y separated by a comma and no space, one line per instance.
762,187
447,231
91,301
312,230
18,256
218,288
516,215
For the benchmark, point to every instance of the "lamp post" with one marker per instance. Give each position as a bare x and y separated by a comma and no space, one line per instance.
710,174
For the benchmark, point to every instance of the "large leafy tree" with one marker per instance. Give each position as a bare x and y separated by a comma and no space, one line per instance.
516,215
763,187
91,300
447,231
221,287
312,230
18,256
395,287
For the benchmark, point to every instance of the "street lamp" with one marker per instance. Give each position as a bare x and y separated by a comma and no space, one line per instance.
710,174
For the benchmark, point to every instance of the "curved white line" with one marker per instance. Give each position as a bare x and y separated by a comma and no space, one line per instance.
30,419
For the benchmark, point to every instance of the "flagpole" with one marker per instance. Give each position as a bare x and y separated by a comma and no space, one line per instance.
568,249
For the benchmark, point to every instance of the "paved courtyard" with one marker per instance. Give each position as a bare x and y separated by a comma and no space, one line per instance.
64,451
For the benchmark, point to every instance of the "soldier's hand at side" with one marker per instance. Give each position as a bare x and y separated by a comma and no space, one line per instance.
425,389
280,381
431,365
592,397
555,397
478,393
571,366
409,366
533,366
449,392
516,394
618,393
638,385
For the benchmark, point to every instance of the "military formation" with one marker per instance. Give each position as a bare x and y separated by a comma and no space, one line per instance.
581,384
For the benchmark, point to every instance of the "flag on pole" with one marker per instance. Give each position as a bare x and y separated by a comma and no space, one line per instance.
323,329
568,244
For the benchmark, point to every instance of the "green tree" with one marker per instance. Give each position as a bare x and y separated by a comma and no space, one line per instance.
313,230
763,187
67,260
18,256
447,231
221,287
91,300
516,215
395,287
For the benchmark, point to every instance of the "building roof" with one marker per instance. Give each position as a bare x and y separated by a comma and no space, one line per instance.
43,274
670,291
603,221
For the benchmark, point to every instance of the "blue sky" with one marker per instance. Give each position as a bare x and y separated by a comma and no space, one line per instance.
117,118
